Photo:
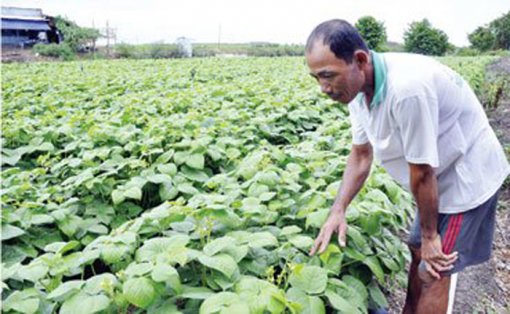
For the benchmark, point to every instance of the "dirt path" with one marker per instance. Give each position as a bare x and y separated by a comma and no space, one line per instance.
499,118
485,288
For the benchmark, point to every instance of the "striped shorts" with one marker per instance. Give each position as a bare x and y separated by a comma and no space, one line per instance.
469,233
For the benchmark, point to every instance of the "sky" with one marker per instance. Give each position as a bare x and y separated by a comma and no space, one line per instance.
277,21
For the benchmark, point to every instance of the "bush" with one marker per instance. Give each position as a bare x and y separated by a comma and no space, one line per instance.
482,39
125,51
466,52
78,38
62,51
372,31
498,53
494,36
163,51
422,38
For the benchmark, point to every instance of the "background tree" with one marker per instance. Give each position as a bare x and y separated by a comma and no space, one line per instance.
482,39
501,29
77,37
422,38
495,35
373,32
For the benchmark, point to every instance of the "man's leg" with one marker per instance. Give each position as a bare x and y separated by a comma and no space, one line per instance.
414,283
425,295
434,297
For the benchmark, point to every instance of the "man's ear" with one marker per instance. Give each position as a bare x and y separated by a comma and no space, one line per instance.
361,57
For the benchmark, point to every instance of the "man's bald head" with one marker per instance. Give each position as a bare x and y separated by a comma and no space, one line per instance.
342,38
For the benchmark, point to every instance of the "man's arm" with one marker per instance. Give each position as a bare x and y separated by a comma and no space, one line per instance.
424,188
355,174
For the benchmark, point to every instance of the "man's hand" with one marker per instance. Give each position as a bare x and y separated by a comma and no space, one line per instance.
435,260
336,223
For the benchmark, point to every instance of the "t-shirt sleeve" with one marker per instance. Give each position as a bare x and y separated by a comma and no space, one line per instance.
359,136
417,118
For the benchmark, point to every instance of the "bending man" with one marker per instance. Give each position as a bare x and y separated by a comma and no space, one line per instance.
424,124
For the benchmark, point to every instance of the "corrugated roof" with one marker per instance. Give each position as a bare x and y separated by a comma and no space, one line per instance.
25,25
22,12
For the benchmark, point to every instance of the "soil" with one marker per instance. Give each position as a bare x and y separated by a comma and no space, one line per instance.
485,288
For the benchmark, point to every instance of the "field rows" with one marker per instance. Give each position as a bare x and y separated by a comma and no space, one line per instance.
185,186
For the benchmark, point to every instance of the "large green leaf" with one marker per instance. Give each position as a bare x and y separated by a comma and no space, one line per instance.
169,169
82,303
138,269
25,301
194,174
187,188
377,296
96,284
166,307
169,249
195,161
219,244
33,271
221,262
199,293
167,274
260,295
311,279
167,191
114,252
339,303
159,178
290,230
262,239
317,218
10,231
133,192
308,304
373,263
301,241
66,289
224,302
139,291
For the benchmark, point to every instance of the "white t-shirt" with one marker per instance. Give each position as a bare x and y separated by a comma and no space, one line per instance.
431,116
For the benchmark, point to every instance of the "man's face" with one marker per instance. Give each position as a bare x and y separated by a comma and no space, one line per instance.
340,80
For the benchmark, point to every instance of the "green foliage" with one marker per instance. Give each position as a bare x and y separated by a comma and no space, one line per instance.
422,38
501,29
373,32
161,50
62,51
132,186
184,186
482,39
494,36
124,50
466,52
76,37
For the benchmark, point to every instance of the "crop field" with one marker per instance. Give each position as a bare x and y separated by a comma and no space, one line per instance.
187,186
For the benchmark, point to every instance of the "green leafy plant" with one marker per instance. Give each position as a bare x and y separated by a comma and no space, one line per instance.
134,186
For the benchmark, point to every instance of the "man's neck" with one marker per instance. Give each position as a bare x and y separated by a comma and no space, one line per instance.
369,87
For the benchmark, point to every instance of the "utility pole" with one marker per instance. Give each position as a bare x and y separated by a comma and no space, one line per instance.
107,39
109,33
93,41
219,36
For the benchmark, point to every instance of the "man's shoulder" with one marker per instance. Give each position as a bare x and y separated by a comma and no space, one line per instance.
410,74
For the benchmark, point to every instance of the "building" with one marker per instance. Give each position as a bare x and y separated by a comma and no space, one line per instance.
22,27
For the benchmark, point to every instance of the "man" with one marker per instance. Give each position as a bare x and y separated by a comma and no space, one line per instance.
424,124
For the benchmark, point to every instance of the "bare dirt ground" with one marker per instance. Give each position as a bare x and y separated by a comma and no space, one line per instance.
485,288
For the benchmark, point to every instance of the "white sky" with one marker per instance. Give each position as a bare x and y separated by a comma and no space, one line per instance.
279,21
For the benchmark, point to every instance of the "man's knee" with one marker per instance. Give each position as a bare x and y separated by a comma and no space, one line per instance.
434,296
437,284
